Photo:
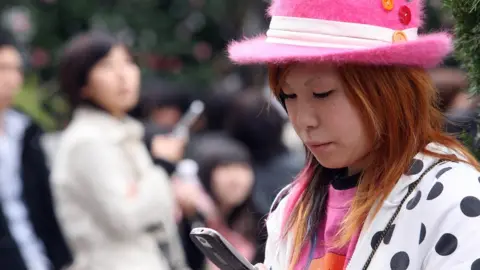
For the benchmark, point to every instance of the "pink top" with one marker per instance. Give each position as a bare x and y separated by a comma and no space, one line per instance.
341,193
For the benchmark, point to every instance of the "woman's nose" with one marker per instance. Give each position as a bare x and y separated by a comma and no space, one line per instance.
307,118
122,72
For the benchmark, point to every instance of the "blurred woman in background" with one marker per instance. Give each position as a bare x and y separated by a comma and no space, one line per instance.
114,205
451,84
260,128
455,103
226,175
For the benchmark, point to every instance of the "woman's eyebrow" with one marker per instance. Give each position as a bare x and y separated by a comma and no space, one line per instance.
309,82
286,85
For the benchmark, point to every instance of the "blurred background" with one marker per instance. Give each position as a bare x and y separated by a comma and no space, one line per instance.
177,40
240,150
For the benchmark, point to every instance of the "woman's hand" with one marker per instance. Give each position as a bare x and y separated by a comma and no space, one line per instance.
260,266
192,198
168,148
186,195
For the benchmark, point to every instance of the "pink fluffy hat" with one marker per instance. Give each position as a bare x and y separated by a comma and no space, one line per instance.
362,31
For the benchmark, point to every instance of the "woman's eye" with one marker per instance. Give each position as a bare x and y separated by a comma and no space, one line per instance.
322,95
284,96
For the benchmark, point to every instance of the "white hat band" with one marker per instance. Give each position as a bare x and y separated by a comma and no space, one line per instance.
333,34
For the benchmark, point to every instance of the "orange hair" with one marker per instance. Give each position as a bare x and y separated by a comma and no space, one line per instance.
398,106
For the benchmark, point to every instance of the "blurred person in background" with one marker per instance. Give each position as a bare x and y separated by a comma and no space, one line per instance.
115,207
451,84
30,236
260,128
217,107
226,175
252,122
458,107
163,104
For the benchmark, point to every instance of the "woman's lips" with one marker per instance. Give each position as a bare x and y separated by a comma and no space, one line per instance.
319,146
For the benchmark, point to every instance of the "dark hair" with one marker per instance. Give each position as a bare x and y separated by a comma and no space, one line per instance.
6,38
80,55
212,151
259,127
215,150
217,107
161,93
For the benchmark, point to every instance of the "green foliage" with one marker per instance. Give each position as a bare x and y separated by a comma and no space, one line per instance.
179,39
31,100
470,143
467,32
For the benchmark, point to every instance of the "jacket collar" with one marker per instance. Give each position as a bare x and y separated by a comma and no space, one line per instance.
14,123
117,129
420,163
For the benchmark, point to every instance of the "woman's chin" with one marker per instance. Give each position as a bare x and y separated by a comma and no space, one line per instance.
128,105
332,163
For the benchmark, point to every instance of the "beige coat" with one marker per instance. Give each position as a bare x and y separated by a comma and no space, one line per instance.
109,196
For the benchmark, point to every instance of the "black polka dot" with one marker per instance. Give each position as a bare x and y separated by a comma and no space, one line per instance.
415,168
479,179
375,239
446,245
400,261
435,191
414,201
388,235
476,265
470,206
423,233
442,171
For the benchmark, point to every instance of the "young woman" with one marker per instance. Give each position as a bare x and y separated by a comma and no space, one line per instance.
115,207
384,187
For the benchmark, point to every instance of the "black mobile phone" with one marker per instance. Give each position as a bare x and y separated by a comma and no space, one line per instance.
218,250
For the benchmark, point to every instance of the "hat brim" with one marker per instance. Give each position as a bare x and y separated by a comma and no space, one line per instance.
426,51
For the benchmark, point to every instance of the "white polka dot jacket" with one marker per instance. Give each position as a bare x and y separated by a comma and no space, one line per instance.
114,205
437,228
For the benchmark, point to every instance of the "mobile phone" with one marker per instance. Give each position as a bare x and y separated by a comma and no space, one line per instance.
218,250
182,128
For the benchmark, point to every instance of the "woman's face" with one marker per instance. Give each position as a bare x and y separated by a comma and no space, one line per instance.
324,117
11,76
232,184
114,82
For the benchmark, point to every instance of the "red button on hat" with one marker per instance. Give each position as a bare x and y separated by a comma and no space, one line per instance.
405,15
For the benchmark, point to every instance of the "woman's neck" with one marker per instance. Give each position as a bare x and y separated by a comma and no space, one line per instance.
118,115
